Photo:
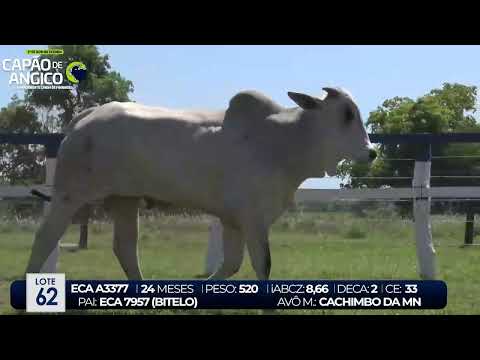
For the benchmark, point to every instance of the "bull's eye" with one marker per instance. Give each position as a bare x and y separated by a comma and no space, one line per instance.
349,115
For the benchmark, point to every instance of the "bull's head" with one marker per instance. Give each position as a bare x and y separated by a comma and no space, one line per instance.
334,129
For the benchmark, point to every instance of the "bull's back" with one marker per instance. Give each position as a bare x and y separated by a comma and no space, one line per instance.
138,150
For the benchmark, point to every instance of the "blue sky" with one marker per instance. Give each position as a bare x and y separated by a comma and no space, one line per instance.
208,76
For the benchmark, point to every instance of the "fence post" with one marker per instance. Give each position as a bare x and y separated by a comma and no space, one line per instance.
421,211
215,247
83,241
469,225
81,217
50,265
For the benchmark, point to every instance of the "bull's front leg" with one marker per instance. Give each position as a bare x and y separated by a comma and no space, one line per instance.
233,250
256,236
125,235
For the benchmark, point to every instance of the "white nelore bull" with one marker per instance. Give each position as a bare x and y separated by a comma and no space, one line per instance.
242,165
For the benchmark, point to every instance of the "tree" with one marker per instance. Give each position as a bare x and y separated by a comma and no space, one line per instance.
445,110
45,110
20,163
100,86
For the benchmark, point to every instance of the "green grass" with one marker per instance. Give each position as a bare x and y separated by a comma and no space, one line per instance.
303,246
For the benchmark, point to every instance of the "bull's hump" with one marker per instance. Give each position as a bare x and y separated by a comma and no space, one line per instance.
251,99
249,109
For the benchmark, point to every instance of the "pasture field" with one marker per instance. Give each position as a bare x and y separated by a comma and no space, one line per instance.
313,245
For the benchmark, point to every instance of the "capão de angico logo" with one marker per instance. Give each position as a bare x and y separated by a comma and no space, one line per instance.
43,73
76,71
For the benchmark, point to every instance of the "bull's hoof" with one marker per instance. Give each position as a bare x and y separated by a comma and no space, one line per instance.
202,276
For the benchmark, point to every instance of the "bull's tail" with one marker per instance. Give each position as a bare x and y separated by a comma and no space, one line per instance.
41,195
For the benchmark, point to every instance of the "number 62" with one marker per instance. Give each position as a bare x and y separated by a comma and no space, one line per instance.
42,299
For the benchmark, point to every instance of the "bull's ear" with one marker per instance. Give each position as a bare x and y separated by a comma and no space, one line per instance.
332,92
305,101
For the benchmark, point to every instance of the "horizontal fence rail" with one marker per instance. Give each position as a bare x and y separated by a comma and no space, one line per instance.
54,140
312,195
50,141
18,191
443,192
424,138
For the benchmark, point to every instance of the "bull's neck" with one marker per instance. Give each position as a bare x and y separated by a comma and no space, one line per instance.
301,162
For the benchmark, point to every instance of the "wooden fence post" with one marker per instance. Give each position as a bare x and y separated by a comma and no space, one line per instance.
469,225
81,217
421,211
83,242
50,265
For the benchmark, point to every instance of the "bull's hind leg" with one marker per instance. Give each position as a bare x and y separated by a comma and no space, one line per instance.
125,234
52,229
233,250
259,249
